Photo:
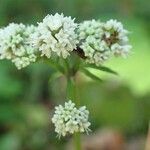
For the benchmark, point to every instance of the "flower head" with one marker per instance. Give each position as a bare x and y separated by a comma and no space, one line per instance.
68,119
100,41
116,37
55,35
90,35
14,44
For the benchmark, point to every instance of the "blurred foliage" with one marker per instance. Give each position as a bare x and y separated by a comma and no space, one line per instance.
27,98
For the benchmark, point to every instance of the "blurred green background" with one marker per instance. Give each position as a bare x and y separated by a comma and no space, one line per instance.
27,98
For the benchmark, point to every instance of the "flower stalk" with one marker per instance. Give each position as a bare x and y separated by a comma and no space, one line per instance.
71,94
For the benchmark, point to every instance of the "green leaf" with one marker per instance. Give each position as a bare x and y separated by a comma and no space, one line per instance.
102,68
54,76
55,65
91,75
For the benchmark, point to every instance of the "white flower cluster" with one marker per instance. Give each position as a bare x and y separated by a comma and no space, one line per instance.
99,41
90,36
116,37
68,119
58,35
55,35
14,44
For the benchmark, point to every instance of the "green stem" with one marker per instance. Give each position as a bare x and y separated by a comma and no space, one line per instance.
77,141
71,94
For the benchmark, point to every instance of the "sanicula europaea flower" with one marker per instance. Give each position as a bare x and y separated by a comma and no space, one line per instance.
55,35
15,45
116,38
90,36
69,119
100,41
